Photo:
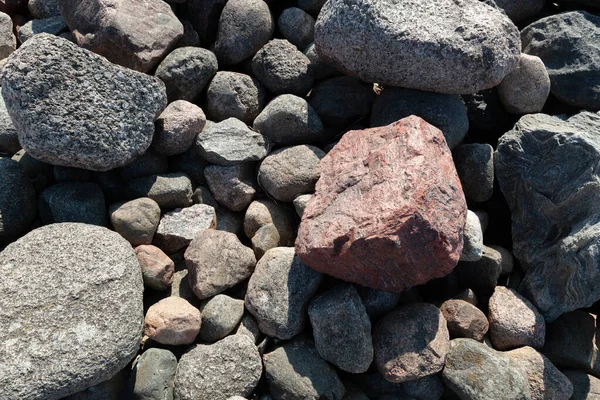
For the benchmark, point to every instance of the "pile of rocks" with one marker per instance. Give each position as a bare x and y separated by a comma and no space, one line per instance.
341,199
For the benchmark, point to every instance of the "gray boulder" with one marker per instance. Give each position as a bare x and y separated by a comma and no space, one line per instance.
233,187
18,203
231,94
220,315
475,167
78,321
114,106
469,47
546,170
297,26
526,89
567,43
52,25
152,375
168,190
73,202
44,8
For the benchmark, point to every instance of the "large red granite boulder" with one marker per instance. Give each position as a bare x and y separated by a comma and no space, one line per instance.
388,211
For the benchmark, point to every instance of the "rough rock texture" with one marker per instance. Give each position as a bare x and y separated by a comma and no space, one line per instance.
475,371
442,46
157,267
44,8
295,371
546,170
8,42
216,261
168,190
53,25
130,33
152,376
411,343
135,220
233,186
231,94
567,43
220,315
342,329
177,127
74,315
73,202
55,92
9,140
475,167
278,292
339,235
464,320
297,26
17,200
263,212
218,371
172,320
526,88
179,227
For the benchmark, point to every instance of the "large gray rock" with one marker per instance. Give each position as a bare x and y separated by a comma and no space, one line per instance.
231,94
152,376
219,371
567,43
546,170
73,108
220,315
130,33
72,310
468,47
17,200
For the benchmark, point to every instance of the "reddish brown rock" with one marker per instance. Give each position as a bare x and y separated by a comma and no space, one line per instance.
173,321
388,211
157,267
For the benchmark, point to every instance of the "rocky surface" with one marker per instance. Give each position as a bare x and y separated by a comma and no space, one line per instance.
135,220
152,376
17,200
464,320
157,267
172,321
179,227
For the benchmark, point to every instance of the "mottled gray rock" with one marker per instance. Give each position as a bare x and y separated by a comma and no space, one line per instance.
472,239
52,25
9,140
300,203
526,88
186,71
73,202
231,94
378,303
56,339
177,127
521,10
204,17
290,171
157,267
411,342
244,27
135,220
278,292
8,41
376,387
231,142
444,111
172,321
18,203
44,8
149,163
567,44
282,68
130,33
482,275
263,212
545,167
233,187
475,167
464,320
289,120
54,91
152,375
475,371
342,329
468,47
319,68
168,190
179,227
249,327
216,261
220,315
218,371
297,26
585,387
295,371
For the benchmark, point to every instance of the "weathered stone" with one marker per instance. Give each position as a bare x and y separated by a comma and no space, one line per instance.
249,327
342,329
387,208
220,315
290,171
475,167
464,320
173,320
55,91
231,94
216,261
18,203
297,26
526,88
73,202
44,8
218,371
230,221
475,371
177,127
295,371
482,275
202,195
468,47
135,220
72,311
186,71
233,187
545,167
152,375
411,342
378,303
157,267
300,203
567,44
264,212
266,238
130,33
319,68
278,292
244,27
179,227
585,387
168,190
52,25
472,239
9,140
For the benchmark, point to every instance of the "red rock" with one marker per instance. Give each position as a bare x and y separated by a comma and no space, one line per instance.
388,211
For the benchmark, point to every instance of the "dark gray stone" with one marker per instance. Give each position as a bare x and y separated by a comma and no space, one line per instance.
18,203
52,25
168,190
289,120
282,68
342,101
73,202
202,195
233,187
342,329
135,220
377,302
468,47
311,6
186,71
44,8
444,111
521,10
482,275
231,94
64,90
73,315
204,17
177,127
487,116
244,27
567,44
190,163
70,174
279,291
190,37
546,170
9,140
220,315
149,163
295,371
475,167
152,376
319,68
110,389
230,221
297,26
